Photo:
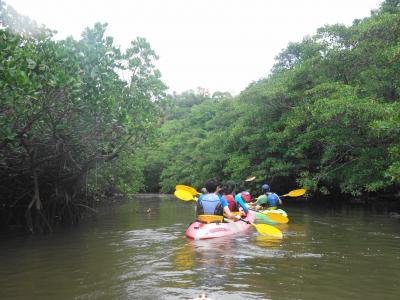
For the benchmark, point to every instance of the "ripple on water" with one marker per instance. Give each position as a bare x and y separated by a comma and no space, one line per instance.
254,250
306,255
377,233
149,236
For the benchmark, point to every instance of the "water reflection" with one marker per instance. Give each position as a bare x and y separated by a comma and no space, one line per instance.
268,242
184,258
214,260
210,259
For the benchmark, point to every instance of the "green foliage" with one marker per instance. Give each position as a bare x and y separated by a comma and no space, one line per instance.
327,118
66,111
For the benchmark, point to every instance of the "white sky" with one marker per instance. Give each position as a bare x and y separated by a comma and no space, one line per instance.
221,45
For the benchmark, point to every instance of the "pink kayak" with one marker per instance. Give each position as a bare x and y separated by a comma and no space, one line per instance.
201,231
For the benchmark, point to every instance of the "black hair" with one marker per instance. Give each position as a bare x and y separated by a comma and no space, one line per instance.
211,185
228,187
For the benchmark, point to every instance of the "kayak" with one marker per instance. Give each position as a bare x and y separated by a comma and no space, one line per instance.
260,218
277,211
202,231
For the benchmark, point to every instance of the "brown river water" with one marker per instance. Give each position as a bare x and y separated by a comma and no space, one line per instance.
126,254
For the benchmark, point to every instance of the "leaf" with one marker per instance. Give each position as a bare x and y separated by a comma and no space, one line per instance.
31,63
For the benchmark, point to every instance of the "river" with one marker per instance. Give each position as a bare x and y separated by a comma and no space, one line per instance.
138,250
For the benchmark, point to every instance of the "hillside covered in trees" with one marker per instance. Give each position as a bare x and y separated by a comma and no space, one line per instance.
327,118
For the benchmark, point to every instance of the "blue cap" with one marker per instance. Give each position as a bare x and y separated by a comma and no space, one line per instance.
265,187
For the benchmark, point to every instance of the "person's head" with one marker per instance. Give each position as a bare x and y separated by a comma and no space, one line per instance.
227,189
265,188
211,185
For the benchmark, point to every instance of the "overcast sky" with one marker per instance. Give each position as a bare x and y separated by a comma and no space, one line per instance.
221,45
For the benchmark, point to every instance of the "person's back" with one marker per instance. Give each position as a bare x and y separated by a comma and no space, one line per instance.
273,201
227,194
210,204
268,200
231,202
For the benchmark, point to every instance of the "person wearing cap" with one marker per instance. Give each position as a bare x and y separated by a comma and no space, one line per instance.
268,200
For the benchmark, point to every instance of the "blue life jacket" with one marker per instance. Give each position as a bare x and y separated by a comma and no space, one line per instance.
273,199
209,204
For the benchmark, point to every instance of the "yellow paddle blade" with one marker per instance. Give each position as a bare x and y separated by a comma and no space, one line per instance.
265,229
295,193
276,217
184,195
250,178
187,188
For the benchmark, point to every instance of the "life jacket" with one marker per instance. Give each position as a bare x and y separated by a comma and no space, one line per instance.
245,196
233,206
209,205
273,200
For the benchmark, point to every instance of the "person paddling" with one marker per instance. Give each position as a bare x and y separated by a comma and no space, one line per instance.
236,203
227,192
268,200
213,203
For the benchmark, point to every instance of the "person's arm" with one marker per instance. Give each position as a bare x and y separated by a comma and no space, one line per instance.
225,207
258,200
227,213
199,206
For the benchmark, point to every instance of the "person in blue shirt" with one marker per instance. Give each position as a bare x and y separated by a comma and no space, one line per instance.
213,203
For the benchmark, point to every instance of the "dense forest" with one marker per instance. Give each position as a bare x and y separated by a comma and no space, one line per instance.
80,119
327,118
70,123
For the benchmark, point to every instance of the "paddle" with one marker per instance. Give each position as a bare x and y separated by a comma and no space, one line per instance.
295,193
276,217
265,229
189,189
184,195
250,178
